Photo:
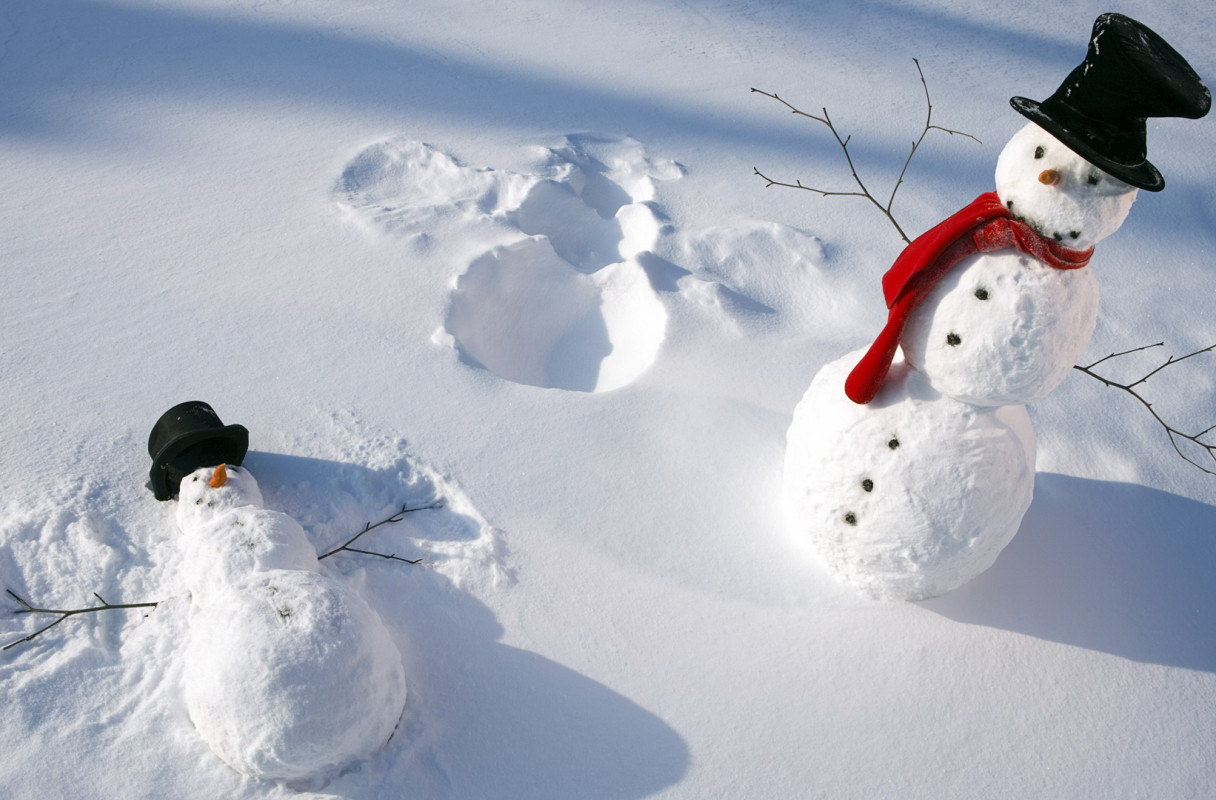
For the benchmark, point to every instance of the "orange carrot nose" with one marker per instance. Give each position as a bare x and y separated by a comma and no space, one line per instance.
220,477
1049,177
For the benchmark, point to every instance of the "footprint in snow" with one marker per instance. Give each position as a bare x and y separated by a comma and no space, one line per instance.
565,305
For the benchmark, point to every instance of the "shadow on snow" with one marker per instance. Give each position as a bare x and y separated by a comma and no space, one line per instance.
1113,567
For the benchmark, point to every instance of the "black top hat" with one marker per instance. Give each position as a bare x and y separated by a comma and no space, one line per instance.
1129,73
186,437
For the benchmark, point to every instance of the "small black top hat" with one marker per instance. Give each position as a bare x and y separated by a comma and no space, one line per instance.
1129,73
186,437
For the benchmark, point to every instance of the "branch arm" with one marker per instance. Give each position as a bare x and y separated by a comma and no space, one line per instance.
1173,433
397,517
27,608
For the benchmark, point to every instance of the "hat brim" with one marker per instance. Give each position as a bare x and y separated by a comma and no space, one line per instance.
227,445
1143,175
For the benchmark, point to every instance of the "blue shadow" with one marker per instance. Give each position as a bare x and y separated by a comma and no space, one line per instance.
1112,567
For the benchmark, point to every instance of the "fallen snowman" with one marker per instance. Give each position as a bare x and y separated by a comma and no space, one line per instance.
289,674
909,465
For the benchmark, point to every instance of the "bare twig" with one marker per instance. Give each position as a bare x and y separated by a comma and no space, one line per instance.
844,146
64,613
397,517
1173,433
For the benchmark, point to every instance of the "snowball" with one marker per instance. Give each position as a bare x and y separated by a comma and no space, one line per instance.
292,676
223,552
198,502
911,495
1002,328
226,534
1084,206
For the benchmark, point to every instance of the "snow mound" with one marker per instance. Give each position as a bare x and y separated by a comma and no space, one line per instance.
523,313
567,307
763,275
399,183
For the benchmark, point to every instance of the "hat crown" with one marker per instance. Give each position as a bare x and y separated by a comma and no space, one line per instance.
1129,74
188,417
188,436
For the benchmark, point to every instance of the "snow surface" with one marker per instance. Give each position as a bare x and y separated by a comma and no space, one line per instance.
198,202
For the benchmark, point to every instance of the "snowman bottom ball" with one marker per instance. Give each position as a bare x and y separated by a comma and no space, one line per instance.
911,495
291,676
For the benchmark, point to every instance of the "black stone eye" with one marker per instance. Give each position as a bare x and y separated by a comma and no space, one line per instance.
1039,152
868,485
1057,236
1093,179
893,444
850,518
953,339
981,293
1075,234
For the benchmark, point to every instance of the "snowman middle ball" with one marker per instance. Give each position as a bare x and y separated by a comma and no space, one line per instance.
911,495
1002,328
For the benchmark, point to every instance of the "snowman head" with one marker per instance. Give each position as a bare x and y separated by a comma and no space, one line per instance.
209,492
1059,193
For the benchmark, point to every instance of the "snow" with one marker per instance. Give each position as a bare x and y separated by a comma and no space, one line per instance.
1079,208
289,675
1003,328
911,495
312,215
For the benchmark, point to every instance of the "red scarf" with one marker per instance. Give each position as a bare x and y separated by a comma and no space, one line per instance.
982,226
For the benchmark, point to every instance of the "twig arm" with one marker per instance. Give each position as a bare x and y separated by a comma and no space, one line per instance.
1171,432
929,126
397,517
27,608
844,147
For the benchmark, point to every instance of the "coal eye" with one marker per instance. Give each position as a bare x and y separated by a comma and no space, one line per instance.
1039,152
1093,179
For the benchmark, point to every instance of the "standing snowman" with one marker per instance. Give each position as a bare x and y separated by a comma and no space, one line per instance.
909,465
289,675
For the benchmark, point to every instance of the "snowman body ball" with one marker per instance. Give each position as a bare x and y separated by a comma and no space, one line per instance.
1005,327
289,674
909,465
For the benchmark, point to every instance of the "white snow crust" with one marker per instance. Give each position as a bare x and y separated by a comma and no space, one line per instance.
277,208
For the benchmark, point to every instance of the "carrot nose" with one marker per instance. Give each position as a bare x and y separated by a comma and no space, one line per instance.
220,477
1049,177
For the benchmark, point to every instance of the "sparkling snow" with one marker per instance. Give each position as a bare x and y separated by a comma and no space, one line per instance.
309,215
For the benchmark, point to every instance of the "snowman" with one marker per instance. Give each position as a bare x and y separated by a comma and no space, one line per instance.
911,480
289,675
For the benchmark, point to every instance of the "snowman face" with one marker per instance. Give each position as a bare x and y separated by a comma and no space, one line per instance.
198,502
1058,193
